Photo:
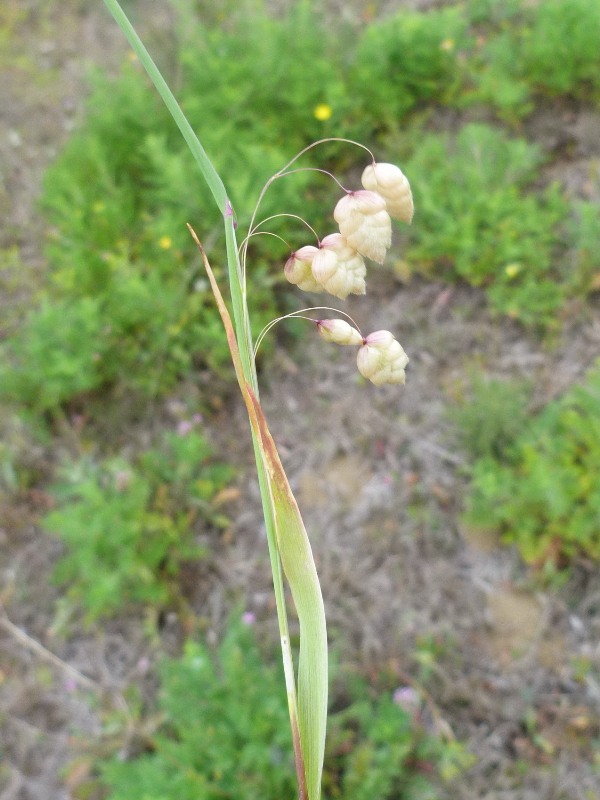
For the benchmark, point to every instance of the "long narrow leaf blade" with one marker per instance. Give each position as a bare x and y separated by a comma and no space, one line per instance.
299,567
300,571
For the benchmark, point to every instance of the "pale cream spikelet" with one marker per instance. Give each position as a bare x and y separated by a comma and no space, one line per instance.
338,331
365,223
298,269
391,183
339,268
382,359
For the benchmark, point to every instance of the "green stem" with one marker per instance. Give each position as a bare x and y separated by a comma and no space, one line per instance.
240,315
215,184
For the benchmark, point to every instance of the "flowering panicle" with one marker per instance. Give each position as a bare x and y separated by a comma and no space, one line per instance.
337,265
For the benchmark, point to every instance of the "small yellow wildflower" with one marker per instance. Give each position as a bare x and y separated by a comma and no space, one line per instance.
98,207
132,56
322,112
165,242
512,270
447,45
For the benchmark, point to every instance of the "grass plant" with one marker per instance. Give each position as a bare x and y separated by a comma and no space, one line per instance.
365,231
128,303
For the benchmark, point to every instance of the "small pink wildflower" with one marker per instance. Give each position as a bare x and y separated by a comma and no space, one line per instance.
184,427
408,698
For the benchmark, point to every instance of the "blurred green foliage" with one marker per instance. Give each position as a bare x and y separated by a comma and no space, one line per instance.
225,734
541,490
407,61
527,52
57,355
492,416
126,302
584,232
129,527
477,220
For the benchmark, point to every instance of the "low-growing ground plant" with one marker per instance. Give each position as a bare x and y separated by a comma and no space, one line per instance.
560,53
224,735
59,353
402,63
129,527
492,417
479,221
528,52
540,491
585,261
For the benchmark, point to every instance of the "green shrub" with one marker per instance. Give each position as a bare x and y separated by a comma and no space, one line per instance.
492,13
531,51
407,61
476,220
496,79
560,53
542,493
585,235
494,414
259,79
226,735
59,352
129,527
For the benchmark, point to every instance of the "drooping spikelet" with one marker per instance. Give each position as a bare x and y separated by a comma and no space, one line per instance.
365,223
382,359
298,269
338,331
339,268
391,183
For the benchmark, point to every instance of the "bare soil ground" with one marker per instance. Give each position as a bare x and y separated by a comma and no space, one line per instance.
378,477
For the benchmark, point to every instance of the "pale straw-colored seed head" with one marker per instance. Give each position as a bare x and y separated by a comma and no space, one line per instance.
365,223
339,268
391,183
338,331
298,269
381,359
